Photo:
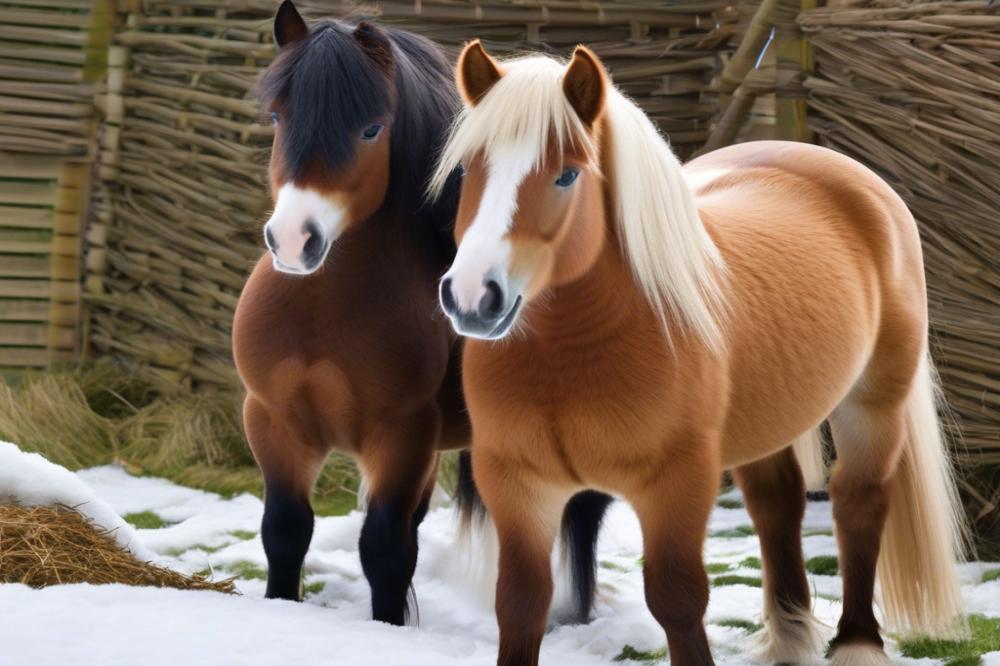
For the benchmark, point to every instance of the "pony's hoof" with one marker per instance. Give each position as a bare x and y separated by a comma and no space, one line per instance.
859,655
788,637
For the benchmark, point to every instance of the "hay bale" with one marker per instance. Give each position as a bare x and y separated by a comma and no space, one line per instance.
56,545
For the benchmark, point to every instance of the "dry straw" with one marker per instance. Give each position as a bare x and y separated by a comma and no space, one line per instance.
41,546
104,413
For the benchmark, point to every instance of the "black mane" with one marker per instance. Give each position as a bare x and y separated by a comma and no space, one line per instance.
329,90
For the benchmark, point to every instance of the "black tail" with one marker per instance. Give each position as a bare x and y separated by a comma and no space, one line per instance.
470,504
581,525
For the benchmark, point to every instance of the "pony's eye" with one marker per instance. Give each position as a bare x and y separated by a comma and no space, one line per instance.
460,170
274,117
371,132
567,177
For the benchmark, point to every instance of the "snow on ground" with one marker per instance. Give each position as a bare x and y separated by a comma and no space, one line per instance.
111,625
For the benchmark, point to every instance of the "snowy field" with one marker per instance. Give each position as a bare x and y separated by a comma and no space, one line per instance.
111,625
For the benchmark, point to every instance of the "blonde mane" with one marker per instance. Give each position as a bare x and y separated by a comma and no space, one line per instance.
673,259
522,113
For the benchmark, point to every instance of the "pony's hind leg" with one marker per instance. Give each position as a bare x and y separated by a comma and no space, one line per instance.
775,497
398,460
673,512
868,437
289,467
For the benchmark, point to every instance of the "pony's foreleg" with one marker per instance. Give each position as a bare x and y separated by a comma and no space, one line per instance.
398,460
673,511
775,497
526,513
289,467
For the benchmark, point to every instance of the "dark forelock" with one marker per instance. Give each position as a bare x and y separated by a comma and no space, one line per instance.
327,90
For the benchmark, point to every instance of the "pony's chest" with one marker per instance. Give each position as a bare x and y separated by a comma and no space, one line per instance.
383,340
585,418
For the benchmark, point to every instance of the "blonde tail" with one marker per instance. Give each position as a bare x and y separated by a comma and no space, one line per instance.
809,452
925,530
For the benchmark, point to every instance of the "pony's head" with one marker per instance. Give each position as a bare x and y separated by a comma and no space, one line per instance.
531,212
557,165
331,97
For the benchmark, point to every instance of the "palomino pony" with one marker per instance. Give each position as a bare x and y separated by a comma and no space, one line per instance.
335,336
338,337
640,327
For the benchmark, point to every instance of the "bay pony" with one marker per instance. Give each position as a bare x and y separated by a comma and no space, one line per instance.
637,327
338,337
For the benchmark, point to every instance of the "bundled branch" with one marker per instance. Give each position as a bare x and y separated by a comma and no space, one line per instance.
913,90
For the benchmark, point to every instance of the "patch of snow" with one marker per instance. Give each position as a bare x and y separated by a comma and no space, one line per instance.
454,621
31,480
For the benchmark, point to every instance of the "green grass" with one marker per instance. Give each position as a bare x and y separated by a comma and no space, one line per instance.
729,503
243,535
613,566
985,637
736,623
722,567
722,581
993,574
734,533
629,653
177,552
313,588
824,565
246,570
145,520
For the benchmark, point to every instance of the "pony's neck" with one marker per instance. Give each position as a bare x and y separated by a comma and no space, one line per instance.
660,232
595,308
604,299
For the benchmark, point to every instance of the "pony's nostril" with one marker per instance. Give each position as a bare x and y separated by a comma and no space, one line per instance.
447,297
272,244
491,304
312,251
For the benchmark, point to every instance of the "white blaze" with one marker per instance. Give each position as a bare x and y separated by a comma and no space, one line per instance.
484,246
293,208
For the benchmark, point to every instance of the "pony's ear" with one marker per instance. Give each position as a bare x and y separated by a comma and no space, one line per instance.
375,44
584,85
476,72
289,25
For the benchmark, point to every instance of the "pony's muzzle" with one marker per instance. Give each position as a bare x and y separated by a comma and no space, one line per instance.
299,251
490,318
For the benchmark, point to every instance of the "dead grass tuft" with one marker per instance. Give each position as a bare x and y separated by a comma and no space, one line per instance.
42,546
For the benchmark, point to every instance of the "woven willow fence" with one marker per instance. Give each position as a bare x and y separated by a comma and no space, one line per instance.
913,90
177,221
52,55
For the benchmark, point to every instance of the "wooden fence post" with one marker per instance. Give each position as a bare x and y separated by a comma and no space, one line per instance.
794,60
